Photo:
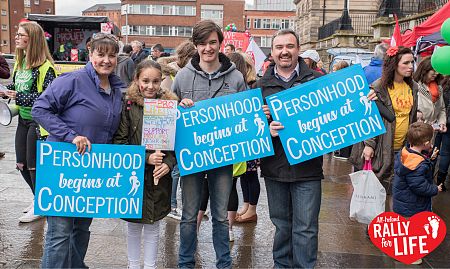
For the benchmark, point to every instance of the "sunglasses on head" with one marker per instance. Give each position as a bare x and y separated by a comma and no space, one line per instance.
98,36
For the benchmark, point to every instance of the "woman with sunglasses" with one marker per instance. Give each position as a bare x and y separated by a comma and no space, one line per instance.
33,72
58,110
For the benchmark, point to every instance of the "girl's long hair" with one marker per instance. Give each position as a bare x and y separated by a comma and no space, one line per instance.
390,66
37,51
250,77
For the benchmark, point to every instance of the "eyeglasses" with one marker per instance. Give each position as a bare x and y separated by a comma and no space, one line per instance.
98,36
19,35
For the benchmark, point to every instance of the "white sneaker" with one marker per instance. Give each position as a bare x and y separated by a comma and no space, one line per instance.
28,208
231,234
206,212
175,214
29,217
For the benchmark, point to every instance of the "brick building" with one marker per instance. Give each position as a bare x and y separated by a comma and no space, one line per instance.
112,11
264,17
170,22
12,11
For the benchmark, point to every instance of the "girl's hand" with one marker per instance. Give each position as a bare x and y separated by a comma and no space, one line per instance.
440,188
156,158
368,153
186,102
11,94
372,96
275,126
160,171
82,143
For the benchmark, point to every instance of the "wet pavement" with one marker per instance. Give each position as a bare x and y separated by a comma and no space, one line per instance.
342,243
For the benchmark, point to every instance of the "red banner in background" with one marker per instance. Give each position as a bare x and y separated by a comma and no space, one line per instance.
238,39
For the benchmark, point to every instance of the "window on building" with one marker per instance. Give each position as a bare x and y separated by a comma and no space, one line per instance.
3,12
4,27
212,12
248,23
36,2
26,3
257,23
5,42
266,41
276,24
265,24
164,30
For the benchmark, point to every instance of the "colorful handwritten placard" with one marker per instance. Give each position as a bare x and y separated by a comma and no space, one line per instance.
159,124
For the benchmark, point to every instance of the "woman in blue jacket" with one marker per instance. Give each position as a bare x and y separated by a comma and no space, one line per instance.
83,108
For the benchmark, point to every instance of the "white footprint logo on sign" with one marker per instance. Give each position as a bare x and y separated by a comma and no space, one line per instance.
134,181
367,104
433,222
260,124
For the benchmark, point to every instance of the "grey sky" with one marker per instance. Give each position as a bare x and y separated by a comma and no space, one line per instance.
74,8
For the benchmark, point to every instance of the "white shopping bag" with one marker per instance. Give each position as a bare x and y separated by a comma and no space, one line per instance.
369,196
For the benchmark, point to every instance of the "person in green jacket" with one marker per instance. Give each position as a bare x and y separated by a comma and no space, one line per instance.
146,84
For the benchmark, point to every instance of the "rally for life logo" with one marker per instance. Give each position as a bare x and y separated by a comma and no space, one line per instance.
407,240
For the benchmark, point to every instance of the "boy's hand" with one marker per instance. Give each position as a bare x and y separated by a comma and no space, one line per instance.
435,153
440,188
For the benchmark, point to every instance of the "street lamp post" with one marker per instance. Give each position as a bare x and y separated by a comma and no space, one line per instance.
126,24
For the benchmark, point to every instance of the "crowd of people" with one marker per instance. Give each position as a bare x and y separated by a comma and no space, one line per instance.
414,106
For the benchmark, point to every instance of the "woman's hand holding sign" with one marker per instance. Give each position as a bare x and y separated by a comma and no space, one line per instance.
161,168
266,111
82,143
160,171
275,126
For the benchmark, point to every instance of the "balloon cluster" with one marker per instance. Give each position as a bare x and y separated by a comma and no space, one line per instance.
231,27
441,56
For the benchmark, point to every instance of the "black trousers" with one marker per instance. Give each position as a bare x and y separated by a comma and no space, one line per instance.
25,144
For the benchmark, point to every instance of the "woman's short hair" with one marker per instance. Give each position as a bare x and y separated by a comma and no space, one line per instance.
240,63
102,42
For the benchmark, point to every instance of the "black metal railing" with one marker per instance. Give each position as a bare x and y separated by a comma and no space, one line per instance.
405,8
329,29
361,23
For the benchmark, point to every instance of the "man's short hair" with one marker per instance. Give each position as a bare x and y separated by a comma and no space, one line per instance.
419,133
158,47
203,29
127,49
286,32
232,47
380,51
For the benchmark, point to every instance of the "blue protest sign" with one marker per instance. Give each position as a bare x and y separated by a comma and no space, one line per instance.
107,182
325,114
222,131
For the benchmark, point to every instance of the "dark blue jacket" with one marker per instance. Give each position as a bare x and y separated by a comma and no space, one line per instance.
74,104
373,70
413,183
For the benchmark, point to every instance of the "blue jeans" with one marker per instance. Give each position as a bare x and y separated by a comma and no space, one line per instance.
294,210
66,242
220,181
175,176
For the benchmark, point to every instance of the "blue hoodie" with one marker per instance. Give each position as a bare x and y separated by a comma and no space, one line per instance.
413,183
374,70
74,104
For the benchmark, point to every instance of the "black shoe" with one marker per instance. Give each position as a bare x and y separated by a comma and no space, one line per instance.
2,154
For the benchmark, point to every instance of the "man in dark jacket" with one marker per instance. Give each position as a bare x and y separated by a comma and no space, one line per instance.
139,53
4,73
125,65
293,191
